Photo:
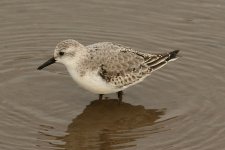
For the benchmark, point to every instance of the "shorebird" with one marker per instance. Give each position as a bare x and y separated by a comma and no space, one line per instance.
106,67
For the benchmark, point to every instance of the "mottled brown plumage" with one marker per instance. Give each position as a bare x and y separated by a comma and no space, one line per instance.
106,67
120,65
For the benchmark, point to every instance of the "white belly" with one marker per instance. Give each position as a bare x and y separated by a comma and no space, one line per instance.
92,82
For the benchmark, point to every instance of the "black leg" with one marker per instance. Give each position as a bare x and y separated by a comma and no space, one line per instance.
120,96
100,96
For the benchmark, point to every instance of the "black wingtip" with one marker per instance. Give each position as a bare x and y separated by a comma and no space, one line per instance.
173,55
39,68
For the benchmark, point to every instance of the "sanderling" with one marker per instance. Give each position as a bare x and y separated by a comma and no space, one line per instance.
106,67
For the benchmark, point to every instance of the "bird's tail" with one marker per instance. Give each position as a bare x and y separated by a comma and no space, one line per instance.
173,55
162,59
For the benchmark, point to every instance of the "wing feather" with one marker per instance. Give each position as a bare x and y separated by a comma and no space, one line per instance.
123,66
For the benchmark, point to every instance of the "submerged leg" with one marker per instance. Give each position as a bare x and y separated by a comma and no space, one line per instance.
120,96
100,96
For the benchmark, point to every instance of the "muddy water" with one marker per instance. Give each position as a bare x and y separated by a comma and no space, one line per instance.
182,106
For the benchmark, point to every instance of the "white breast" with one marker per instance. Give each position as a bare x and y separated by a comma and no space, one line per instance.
92,82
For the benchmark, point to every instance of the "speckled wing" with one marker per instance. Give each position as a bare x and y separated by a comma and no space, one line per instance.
121,66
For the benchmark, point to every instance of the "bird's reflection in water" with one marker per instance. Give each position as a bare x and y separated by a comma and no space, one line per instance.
107,125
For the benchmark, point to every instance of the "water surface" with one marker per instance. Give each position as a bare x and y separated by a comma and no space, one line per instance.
180,106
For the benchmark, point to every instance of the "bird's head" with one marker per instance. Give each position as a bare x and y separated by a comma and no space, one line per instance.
64,53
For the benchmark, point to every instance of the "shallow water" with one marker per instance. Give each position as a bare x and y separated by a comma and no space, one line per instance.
180,106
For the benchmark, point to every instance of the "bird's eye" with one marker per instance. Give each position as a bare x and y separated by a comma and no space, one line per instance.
61,53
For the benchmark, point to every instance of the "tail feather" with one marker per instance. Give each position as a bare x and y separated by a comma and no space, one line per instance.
158,60
159,65
161,61
172,55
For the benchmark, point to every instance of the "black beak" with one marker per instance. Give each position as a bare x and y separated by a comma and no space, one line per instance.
47,63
